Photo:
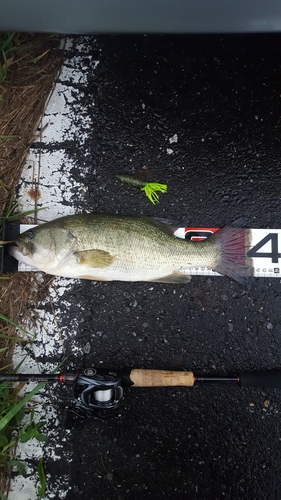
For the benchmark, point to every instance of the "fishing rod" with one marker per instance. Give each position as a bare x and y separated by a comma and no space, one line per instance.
148,378
99,392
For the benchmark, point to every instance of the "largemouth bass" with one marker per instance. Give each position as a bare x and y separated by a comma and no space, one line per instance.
113,247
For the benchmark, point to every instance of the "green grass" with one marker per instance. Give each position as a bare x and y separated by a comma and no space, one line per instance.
7,137
8,46
42,479
11,415
9,337
11,216
24,63
11,405
14,46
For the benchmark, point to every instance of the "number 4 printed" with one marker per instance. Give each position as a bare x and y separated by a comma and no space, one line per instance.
274,255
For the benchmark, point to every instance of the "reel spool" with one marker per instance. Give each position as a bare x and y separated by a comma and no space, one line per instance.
98,394
98,390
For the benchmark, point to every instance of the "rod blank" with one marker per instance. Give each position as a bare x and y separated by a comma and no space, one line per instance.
161,378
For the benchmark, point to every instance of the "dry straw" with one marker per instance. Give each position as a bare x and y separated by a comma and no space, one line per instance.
29,64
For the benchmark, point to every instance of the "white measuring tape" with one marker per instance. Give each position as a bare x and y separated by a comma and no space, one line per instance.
264,250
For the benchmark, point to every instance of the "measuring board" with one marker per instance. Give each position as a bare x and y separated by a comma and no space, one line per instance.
264,250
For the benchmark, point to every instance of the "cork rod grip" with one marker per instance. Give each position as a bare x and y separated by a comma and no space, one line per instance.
161,378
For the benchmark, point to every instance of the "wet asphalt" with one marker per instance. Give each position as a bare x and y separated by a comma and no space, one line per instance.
221,96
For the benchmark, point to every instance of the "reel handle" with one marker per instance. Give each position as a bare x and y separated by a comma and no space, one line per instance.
161,378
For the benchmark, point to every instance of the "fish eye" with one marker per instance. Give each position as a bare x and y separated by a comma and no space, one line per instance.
30,235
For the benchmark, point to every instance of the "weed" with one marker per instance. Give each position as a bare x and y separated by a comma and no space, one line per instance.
10,216
32,430
9,137
8,45
28,66
17,339
11,416
42,479
17,405
14,48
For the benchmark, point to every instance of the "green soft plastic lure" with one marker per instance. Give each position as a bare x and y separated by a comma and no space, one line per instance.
150,188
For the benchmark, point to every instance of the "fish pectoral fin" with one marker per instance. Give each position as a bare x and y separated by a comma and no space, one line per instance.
94,258
173,278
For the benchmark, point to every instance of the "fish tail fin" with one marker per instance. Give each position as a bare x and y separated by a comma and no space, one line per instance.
233,242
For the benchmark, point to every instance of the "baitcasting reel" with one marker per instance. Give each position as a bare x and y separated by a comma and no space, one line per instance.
98,394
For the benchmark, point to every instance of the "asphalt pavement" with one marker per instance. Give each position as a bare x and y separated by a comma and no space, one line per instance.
202,115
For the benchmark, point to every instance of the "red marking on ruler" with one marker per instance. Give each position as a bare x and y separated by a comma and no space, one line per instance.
199,233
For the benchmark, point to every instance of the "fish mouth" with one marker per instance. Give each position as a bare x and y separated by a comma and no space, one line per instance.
20,251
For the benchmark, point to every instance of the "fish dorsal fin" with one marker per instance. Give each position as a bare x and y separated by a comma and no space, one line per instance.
166,225
94,258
